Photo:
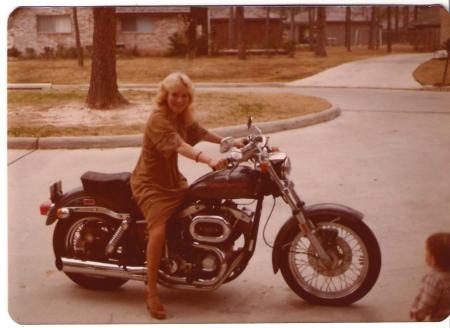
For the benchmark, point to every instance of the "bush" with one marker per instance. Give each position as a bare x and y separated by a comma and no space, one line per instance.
30,53
178,45
13,52
289,47
59,51
123,52
72,52
48,53
88,51
63,52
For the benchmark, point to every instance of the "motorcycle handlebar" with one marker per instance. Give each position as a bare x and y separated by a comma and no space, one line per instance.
243,154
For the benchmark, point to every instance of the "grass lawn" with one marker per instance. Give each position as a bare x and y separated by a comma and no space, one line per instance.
432,73
257,68
58,113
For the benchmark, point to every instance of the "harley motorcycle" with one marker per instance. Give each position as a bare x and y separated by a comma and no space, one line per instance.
325,252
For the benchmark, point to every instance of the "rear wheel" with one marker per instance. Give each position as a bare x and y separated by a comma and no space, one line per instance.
356,262
84,237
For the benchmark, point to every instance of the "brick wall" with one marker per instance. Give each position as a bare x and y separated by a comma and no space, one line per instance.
157,41
22,31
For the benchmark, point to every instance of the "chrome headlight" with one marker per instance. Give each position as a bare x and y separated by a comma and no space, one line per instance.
281,163
286,168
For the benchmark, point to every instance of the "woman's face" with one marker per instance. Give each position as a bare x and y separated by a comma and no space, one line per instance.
178,98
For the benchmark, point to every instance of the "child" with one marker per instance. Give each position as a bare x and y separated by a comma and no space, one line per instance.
433,300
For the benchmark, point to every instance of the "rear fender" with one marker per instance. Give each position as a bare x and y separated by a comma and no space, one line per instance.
63,201
290,228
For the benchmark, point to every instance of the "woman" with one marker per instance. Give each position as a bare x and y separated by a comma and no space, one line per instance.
158,187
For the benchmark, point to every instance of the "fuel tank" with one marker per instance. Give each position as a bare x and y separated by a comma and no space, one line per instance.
242,182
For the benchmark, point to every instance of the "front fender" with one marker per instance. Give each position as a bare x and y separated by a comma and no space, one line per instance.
290,228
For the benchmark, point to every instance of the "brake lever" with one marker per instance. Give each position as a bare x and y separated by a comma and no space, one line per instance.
234,165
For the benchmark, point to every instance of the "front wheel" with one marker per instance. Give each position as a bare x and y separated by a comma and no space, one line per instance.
356,261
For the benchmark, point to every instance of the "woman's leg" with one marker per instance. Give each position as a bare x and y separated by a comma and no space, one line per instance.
155,245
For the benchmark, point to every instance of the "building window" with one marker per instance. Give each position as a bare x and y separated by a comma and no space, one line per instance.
139,24
54,24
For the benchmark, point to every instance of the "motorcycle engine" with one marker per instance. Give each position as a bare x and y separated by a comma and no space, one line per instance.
210,229
202,242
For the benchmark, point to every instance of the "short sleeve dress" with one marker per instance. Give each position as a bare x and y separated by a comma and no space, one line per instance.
157,185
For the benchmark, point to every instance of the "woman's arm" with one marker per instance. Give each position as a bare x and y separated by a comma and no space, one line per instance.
215,138
190,152
212,137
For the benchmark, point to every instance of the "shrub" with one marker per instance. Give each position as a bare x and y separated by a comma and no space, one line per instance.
289,47
88,51
71,52
123,52
48,53
63,52
30,53
178,45
13,52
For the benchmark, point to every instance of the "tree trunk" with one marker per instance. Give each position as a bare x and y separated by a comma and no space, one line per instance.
321,33
348,28
397,18
311,28
372,31
416,13
405,17
389,30
416,34
191,38
77,37
231,29
242,53
267,42
103,91
292,42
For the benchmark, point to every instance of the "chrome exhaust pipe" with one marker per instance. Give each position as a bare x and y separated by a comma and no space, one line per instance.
103,269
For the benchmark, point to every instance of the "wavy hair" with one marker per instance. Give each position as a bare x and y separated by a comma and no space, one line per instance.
171,81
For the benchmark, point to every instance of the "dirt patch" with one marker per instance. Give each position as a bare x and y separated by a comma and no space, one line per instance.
74,114
56,113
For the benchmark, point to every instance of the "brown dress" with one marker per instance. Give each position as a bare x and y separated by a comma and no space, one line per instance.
157,185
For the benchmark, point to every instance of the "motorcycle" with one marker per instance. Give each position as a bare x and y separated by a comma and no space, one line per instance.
325,252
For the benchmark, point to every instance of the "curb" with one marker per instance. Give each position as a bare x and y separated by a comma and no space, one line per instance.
137,86
136,140
29,86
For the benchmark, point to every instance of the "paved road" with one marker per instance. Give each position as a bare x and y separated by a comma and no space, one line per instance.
387,156
394,71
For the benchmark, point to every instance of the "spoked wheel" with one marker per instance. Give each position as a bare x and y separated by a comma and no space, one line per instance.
85,238
354,268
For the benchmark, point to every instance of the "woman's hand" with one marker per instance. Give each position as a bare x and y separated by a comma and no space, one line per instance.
240,142
218,164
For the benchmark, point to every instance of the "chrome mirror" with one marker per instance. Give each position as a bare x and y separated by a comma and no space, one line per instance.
249,122
226,144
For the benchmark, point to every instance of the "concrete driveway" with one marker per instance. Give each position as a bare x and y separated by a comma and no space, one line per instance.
387,155
391,72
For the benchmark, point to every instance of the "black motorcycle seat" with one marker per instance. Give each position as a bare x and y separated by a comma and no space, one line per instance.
112,187
107,179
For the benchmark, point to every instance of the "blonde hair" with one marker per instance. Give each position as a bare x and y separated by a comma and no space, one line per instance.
172,80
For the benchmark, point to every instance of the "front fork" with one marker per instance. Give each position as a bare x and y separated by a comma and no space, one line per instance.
291,197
